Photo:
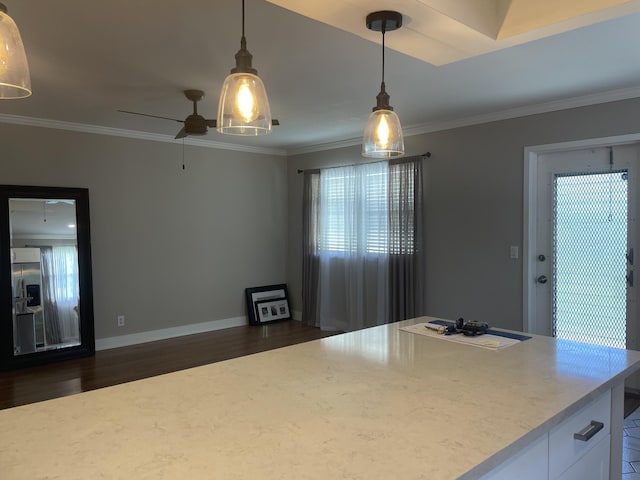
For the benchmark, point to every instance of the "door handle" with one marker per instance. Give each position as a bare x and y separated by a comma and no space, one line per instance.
630,278
630,256
542,279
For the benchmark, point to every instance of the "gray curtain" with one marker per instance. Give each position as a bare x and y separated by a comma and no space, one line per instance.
310,259
406,239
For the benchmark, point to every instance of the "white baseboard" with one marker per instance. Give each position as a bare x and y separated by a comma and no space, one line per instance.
163,334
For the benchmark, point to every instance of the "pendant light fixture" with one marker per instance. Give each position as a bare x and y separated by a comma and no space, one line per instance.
244,106
383,133
15,81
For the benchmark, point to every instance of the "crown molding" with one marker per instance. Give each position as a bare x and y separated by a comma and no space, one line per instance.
546,107
535,109
319,147
135,134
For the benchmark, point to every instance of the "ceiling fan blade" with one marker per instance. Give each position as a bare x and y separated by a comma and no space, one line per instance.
182,133
153,116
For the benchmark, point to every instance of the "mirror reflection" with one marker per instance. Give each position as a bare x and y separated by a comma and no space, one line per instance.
44,277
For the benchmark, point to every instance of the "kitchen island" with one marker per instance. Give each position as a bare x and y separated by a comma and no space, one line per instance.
379,403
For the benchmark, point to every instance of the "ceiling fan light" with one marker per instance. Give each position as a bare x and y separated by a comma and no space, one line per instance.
383,136
15,81
244,107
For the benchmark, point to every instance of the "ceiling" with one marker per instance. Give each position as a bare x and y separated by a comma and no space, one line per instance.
46,219
453,63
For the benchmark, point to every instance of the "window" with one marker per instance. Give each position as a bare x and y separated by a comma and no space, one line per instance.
360,208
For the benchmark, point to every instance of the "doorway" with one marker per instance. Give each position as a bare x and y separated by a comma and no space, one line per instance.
580,232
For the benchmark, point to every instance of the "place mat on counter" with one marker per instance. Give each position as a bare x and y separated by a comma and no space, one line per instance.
488,341
499,333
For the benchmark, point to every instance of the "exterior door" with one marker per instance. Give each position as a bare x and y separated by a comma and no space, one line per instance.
585,245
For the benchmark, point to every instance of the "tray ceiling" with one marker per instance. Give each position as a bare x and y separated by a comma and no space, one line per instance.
445,31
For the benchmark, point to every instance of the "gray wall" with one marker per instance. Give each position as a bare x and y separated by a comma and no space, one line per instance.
173,248
170,247
473,205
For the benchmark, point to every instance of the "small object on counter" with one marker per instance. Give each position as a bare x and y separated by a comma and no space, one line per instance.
436,328
474,328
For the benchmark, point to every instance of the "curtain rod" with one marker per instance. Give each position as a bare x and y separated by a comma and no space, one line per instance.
426,154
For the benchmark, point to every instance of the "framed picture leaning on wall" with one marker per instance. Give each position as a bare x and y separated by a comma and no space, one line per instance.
273,301
269,310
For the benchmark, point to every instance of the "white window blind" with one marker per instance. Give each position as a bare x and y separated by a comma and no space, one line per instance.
357,205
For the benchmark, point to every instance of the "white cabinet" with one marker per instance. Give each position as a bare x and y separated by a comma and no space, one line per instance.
557,455
530,464
25,255
565,450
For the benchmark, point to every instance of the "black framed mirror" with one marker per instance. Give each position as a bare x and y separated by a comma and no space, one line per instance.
46,291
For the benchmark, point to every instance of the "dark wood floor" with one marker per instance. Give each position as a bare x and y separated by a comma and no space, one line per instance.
631,403
119,365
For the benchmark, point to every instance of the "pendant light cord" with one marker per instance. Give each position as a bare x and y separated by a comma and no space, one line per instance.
383,32
242,18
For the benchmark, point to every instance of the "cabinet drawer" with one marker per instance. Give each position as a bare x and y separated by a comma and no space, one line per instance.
564,449
594,465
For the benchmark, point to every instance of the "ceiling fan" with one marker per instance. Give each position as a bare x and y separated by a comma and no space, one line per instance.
194,124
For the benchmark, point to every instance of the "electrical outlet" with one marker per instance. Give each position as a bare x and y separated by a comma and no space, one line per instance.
121,320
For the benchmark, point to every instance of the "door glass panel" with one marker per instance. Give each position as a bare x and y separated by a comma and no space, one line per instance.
44,274
590,243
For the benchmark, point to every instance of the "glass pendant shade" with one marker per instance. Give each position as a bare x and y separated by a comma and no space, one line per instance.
15,81
244,107
383,135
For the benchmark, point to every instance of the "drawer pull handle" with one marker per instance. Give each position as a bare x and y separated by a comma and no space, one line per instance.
589,431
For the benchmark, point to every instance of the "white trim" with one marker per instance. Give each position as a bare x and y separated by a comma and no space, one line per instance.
165,333
530,213
545,107
43,236
319,147
119,132
565,104
529,238
574,102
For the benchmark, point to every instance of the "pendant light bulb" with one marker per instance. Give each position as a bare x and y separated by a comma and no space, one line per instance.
244,106
383,136
382,131
15,80
245,102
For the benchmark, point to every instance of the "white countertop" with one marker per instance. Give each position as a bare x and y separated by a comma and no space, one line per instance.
374,404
